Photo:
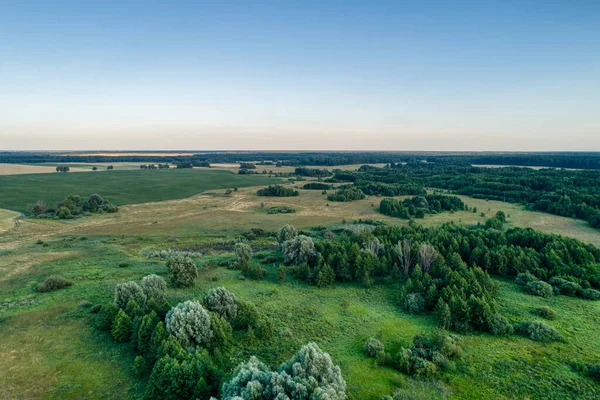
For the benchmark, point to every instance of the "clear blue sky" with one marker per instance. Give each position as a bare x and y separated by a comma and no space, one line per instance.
353,75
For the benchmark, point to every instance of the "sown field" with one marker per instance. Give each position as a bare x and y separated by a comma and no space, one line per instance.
119,187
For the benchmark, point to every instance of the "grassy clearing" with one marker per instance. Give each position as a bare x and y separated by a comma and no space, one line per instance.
49,348
120,187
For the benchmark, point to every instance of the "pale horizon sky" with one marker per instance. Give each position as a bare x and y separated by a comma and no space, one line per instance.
310,75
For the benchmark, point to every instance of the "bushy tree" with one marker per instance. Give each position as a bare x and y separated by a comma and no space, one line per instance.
326,276
539,288
106,316
299,250
524,278
125,292
414,303
499,325
182,271
192,376
286,232
154,287
310,374
373,347
144,332
189,322
243,255
222,302
121,328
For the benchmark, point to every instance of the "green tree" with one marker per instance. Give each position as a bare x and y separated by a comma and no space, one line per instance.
121,329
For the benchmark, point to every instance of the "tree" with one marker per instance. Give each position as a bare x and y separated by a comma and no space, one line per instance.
299,250
243,255
286,232
310,374
94,168
121,328
125,292
182,271
326,276
427,255
442,313
154,287
222,302
189,322
144,332
404,253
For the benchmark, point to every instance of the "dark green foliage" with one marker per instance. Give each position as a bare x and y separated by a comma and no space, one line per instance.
316,186
139,365
325,276
73,206
222,333
420,205
122,326
96,308
590,294
350,193
189,377
281,273
277,191
106,316
52,283
144,332
499,325
539,288
428,355
280,210
247,315
313,172
524,278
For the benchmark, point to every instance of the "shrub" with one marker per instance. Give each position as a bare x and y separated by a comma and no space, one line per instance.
121,328
124,292
539,288
182,271
498,325
570,288
280,210
243,255
299,250
139,365
189,322
144,331
52,283
524,278
96,308
547,313
154,287
222,302
106,316
247,315
373,347
414,303
281,273
222,333
286,232
590,294
326,276
540,331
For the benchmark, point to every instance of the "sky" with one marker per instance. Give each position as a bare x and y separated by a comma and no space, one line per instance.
306,75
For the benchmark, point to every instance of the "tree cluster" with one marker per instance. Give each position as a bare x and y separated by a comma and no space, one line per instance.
418,206
73,207
277,191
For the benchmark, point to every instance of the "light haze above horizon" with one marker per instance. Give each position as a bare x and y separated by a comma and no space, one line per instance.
310,75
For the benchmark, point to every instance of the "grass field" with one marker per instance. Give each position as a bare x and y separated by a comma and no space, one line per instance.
120,187
48,348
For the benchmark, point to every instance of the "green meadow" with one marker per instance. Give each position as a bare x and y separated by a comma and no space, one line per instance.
119,187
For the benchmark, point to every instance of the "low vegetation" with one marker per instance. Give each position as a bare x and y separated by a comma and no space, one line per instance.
277,191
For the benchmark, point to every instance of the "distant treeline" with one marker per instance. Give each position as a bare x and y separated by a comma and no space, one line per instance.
562,192
584,160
